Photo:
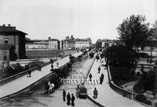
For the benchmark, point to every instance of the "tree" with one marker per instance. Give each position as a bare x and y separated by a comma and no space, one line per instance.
146,82
155,30
98,44
120,55
133,31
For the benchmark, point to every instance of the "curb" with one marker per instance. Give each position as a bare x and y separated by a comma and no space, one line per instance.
92,100
28,87
95,102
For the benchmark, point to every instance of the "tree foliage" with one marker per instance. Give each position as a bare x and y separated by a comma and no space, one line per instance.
154,36
146,82
120,55
133,31
98,44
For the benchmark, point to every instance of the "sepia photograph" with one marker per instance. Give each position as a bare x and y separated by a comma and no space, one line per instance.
78,53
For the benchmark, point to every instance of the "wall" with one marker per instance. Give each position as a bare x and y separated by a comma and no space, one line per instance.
4,53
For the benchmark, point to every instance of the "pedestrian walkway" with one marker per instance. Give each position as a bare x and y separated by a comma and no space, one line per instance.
23,82
106,96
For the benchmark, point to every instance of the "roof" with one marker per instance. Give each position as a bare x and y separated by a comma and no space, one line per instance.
53,40
10,30
5,47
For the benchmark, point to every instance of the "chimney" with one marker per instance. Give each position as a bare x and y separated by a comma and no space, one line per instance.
9,25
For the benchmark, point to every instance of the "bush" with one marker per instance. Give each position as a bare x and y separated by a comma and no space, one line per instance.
91,54
155,104
149,102
72,59
141,98
35,63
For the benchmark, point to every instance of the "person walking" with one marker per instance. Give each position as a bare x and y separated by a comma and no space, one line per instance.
68,99
95,92
51,67
99,69
90,77
101,78
64,95
57,63
28,73
72,100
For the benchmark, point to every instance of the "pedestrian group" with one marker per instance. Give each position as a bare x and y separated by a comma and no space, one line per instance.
70,99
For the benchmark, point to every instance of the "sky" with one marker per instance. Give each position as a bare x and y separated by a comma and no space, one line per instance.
97,19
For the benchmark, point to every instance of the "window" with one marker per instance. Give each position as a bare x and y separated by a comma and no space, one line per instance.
5,58
6,41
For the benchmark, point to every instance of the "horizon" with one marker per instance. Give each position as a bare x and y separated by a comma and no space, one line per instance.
95,19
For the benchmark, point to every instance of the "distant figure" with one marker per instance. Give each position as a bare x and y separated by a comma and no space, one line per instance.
90,77
95,92
28,73
51,67
46,88
99,69
57,63
39,68
101,78
97,57
51,87
64,94
51,61
72,100
68,99
77,91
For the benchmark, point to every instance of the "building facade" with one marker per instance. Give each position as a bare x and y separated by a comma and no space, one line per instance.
9,35
68,43
54,44
36,46
5,52
82,43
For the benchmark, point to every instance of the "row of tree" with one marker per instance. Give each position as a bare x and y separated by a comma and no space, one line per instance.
122,58
135,32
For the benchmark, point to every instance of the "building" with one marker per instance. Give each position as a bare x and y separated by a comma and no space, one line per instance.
82,43
9,35
36,45
5,52
107,42
72,43
54,44
68,43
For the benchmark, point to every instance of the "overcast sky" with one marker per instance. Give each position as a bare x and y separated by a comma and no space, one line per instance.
97,19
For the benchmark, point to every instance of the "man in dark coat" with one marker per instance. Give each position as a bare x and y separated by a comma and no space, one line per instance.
51,67
68,99
72,100
99,69
101,78
64,94
95,92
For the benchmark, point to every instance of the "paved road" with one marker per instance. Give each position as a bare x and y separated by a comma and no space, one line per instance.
23,82
107,96
36,98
